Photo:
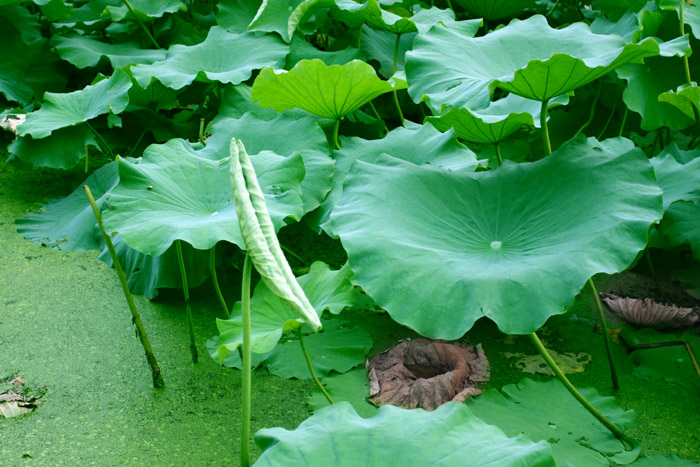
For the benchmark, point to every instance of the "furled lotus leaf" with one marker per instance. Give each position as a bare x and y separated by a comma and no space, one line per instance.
338,348
451,435
496,9
686,99
681,224
649,313
420,145
286,134
145,10
448,68
326,289
677,180
440,249
494,123
62,150
352,387
86,51
174,194
68,109
222,57
545,411
338,90
236,15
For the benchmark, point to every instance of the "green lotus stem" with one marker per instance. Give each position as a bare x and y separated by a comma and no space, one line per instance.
299,258
498,153
311,368
686,65
359,37
545,130
624,120
656,345
247,366
86,159
215,280
335,133
577,395
141,25
186,292
449,5
135,316
607,122
379,117
393,72
138,141
604,328
554,7
592,112
201,131
103,143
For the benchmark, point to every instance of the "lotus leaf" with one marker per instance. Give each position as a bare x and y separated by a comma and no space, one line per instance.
495,123
286,134
379,45
678,181
680,225
352,387
174,194
496,9
371,13
300,50
62,150
155,96
326,289
419,145
23,21
449,436
86,51
237,101
236,15
274,16
545,411
691,13
338,90
68,109
440,249
686,99
449,68
338,348
222,57
145,10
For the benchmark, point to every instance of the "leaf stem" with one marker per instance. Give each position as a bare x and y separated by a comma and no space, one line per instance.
604,328
296,256
103,142
577,395
624,120
215,280
138,141
393,72
551,10
545,130
686,65
376,114
592,112
335,133
311,368
186,292
135,316
87,153
498,153
247,366
607,122
141,25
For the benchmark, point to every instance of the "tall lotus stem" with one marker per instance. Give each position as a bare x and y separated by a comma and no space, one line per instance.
545,130
135,316
393,72
186,292
247,366
604,328
215,280
336,126
686,65
498,153
577,395
141,25
311,368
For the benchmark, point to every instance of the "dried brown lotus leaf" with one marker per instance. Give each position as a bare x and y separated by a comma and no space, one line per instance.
649,313
15,401
425,373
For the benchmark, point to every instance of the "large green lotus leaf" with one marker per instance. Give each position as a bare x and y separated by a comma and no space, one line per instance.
68,109
23,21
325,288
337,90
680,155
146,10
222,57
494,123
62,150
496,9
273,16
449,68
691,13
155,96
450,436
668,363
686,98
86,51
173,194
237,101
545,411
286,134
372,14
337,348
678,181
352,387
299,50
419,145
440,249
236,15
681,224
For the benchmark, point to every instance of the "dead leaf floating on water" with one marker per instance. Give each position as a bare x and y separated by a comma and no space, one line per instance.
648,313
424,373
17,400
